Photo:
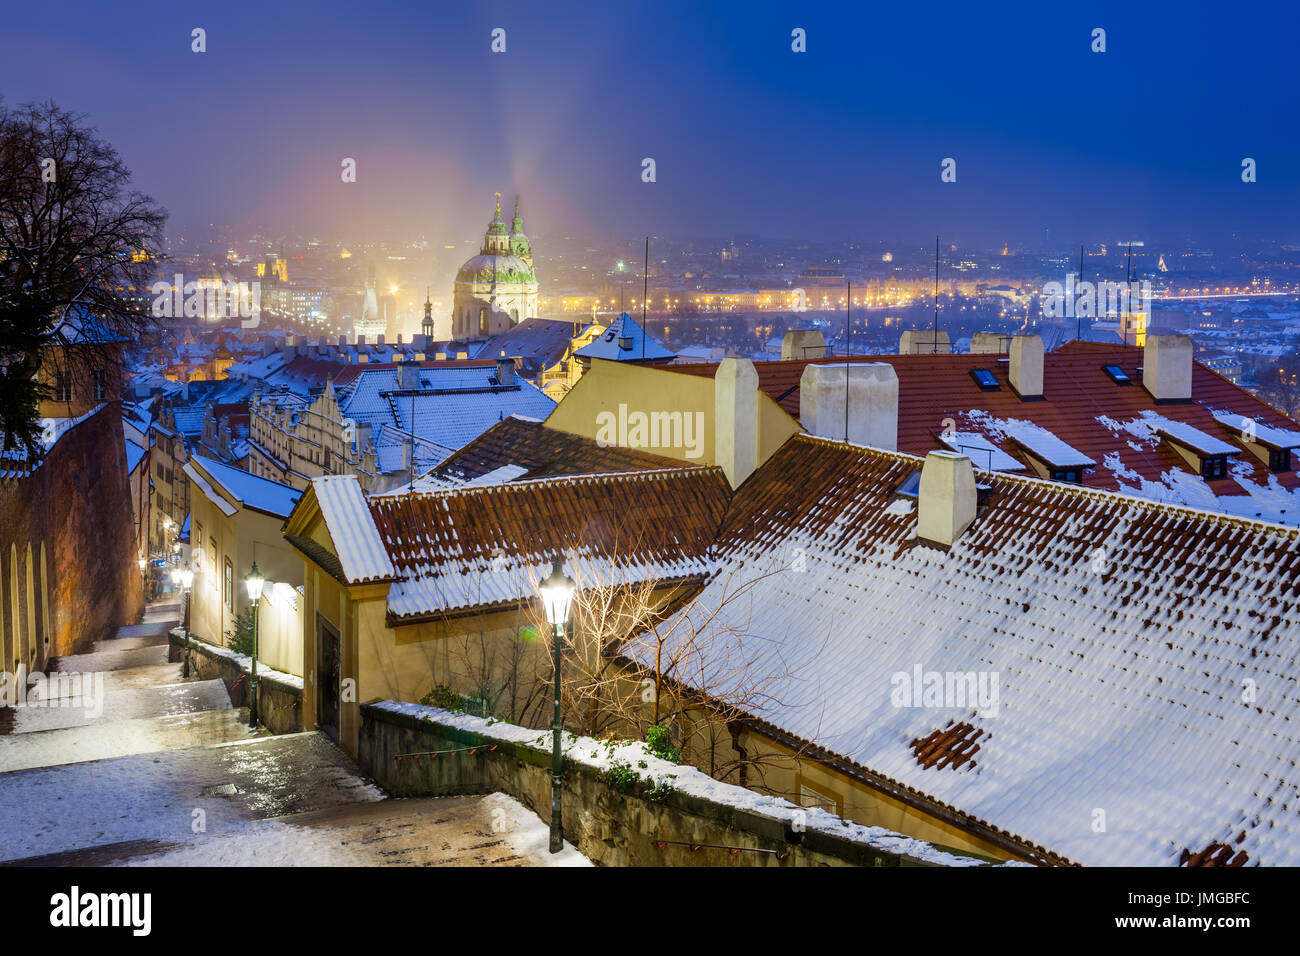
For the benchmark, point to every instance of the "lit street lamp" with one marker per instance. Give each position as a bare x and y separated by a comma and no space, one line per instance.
183,579
557,595
254,582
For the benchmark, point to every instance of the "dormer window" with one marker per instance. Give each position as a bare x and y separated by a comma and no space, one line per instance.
1279,459
985,379
1214,467
1071,476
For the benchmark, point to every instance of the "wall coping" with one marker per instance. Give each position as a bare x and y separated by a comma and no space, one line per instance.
290,682
771,817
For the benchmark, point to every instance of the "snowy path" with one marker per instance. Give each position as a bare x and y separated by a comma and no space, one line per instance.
169,774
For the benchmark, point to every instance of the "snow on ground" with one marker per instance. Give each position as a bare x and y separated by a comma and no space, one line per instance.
96,703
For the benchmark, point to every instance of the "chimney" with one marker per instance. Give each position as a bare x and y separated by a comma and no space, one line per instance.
946,499
1167,367
361,340
735,419
924,342
1026,369
872,402
343,341
408,375
803,344
380,340
988,343
505,371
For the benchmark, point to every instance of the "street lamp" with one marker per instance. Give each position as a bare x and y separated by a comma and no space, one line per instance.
557,595
254,582
183,580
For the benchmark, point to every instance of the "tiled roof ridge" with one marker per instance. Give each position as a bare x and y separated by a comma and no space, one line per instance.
595,477
1069,488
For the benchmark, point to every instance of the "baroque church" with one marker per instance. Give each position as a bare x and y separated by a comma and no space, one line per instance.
497,288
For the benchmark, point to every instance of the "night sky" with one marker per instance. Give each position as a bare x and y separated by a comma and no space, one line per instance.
841,142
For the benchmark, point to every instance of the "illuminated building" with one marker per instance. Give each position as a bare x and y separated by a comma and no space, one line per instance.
496,289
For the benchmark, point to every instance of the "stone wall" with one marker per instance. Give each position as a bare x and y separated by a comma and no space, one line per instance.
280,695
75,507
695,822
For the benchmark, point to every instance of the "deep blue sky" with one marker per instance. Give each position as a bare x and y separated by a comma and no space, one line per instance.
843,141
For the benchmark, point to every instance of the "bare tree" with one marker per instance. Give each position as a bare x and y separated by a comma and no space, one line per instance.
75,242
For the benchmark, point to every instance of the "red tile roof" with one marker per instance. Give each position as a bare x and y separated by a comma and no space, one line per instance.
932,388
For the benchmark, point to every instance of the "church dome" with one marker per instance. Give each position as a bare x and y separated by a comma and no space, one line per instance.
495,267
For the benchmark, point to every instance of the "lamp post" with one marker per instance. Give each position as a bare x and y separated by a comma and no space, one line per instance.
183,579
557,595
254,583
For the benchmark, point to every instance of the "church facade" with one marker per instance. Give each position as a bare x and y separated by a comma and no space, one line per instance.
496,289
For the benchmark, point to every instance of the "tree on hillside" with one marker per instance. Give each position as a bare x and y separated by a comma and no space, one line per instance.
76,243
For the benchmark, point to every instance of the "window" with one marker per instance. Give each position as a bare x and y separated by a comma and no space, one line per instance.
911,486
212,552
1279,459
1073,476
62,387
198,539
229,586
100,389
1214,467
1117,374
985,379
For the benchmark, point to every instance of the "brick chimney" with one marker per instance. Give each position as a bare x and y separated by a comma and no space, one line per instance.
872,402
946,499
505,371
1167,367
803,344
1026,368
735,419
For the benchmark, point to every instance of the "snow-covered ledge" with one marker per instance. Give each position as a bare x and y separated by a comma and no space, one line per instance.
279,694
670,802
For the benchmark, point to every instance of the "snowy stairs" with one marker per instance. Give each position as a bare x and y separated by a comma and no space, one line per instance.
126,699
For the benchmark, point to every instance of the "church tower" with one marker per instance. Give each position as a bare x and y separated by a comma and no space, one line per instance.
519,244
427,325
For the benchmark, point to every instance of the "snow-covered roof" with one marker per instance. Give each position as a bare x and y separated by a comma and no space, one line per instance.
473,547
1264,434
1138,658
1191,437
357,543
1040,443
624,341
980,450
251,490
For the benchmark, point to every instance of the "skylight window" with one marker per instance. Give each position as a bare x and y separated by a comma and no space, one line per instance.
1117,374
984,379
911,486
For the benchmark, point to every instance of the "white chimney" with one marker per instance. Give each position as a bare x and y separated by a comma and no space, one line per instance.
947,498
872,410
803,344
1167,367
988,343
1026,367
735,419
924,342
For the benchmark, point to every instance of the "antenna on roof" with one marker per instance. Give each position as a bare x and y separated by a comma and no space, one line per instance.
934,345
645,286
848,337
1078,318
